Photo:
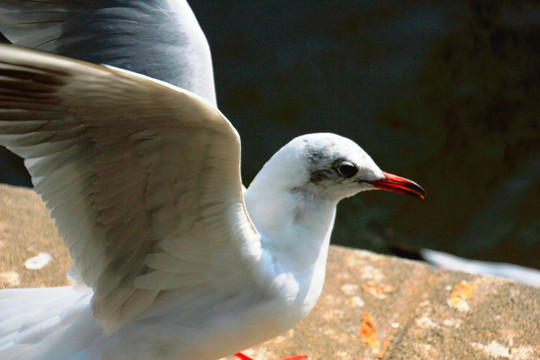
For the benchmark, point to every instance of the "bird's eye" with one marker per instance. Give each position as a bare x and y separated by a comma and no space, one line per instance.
347,169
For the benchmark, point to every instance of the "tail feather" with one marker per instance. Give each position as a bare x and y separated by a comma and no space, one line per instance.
46,324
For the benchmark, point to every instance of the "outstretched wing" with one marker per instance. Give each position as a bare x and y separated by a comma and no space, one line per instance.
158,38
142,178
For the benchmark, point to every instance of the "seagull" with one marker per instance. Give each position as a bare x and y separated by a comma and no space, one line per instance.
172,257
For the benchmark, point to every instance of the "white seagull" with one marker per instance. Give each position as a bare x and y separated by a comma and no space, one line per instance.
171,258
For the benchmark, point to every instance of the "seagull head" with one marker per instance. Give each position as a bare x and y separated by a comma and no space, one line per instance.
292,200
333,167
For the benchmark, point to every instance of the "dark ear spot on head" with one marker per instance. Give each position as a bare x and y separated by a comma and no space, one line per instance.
321,175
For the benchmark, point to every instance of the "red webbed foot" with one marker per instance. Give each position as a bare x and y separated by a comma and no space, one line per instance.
294,357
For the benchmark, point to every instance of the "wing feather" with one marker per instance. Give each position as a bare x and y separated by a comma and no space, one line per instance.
161,39
141,177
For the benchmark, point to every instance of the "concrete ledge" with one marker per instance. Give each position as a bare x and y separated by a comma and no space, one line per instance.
372,307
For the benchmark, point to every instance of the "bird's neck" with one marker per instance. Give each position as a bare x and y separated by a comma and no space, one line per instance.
295,227
295,224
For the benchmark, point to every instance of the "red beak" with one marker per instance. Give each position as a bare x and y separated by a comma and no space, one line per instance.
399,185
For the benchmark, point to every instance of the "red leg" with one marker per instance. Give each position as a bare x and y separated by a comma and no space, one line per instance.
294,357
242,356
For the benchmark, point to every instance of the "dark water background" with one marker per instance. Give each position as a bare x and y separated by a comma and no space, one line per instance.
446,93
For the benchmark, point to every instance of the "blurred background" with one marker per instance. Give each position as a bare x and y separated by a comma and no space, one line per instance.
446,93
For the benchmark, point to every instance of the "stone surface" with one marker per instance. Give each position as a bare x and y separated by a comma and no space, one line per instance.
26,230
372,306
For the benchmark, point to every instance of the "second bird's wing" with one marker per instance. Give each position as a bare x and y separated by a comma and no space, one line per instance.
158,38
